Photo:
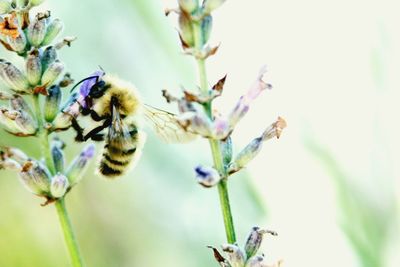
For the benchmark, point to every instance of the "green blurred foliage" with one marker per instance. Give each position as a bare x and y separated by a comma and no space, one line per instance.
156,215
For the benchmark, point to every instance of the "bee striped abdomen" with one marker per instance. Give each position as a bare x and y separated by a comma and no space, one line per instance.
119,151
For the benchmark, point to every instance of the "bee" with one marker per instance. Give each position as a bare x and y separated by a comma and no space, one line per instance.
116,105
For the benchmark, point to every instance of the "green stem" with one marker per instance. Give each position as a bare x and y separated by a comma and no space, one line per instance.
214,144
43,135
69,237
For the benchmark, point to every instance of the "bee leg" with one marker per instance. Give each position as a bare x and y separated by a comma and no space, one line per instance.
97,137
95,116
94,134
79,130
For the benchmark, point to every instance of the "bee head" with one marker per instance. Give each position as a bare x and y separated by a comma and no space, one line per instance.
91,87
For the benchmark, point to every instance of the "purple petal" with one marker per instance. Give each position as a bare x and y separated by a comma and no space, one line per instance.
88,151
84,90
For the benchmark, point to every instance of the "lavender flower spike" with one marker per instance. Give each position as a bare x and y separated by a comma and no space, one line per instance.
242,107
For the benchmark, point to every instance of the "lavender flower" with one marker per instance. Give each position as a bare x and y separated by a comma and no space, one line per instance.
207,176
242,107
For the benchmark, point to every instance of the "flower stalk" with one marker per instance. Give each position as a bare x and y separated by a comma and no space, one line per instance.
214,144
69,237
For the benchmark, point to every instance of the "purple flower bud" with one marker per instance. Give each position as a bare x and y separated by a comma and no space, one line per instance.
77,168
59,185
207,176
242,107
235,255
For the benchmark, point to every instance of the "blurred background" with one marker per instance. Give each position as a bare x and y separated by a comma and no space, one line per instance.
329,186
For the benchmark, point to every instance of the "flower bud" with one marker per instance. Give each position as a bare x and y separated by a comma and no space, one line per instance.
18,103
33,68
62,121
77,168
186,28
17,122
52,73
206,26
188,6
254,240
36,31
59,185
5,6
52,103
211,5
226,147
26,123
48,57
235,255
207,176
17,43
58,158
53,29
14,78
36,2
246,155
8,124
35,177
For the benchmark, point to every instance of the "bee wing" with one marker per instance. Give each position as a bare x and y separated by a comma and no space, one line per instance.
167,126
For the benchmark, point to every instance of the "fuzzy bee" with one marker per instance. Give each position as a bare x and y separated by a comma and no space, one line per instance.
116,105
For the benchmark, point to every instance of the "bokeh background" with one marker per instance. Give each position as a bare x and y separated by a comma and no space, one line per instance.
329,186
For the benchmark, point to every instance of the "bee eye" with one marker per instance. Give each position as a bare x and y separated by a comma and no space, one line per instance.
98,89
